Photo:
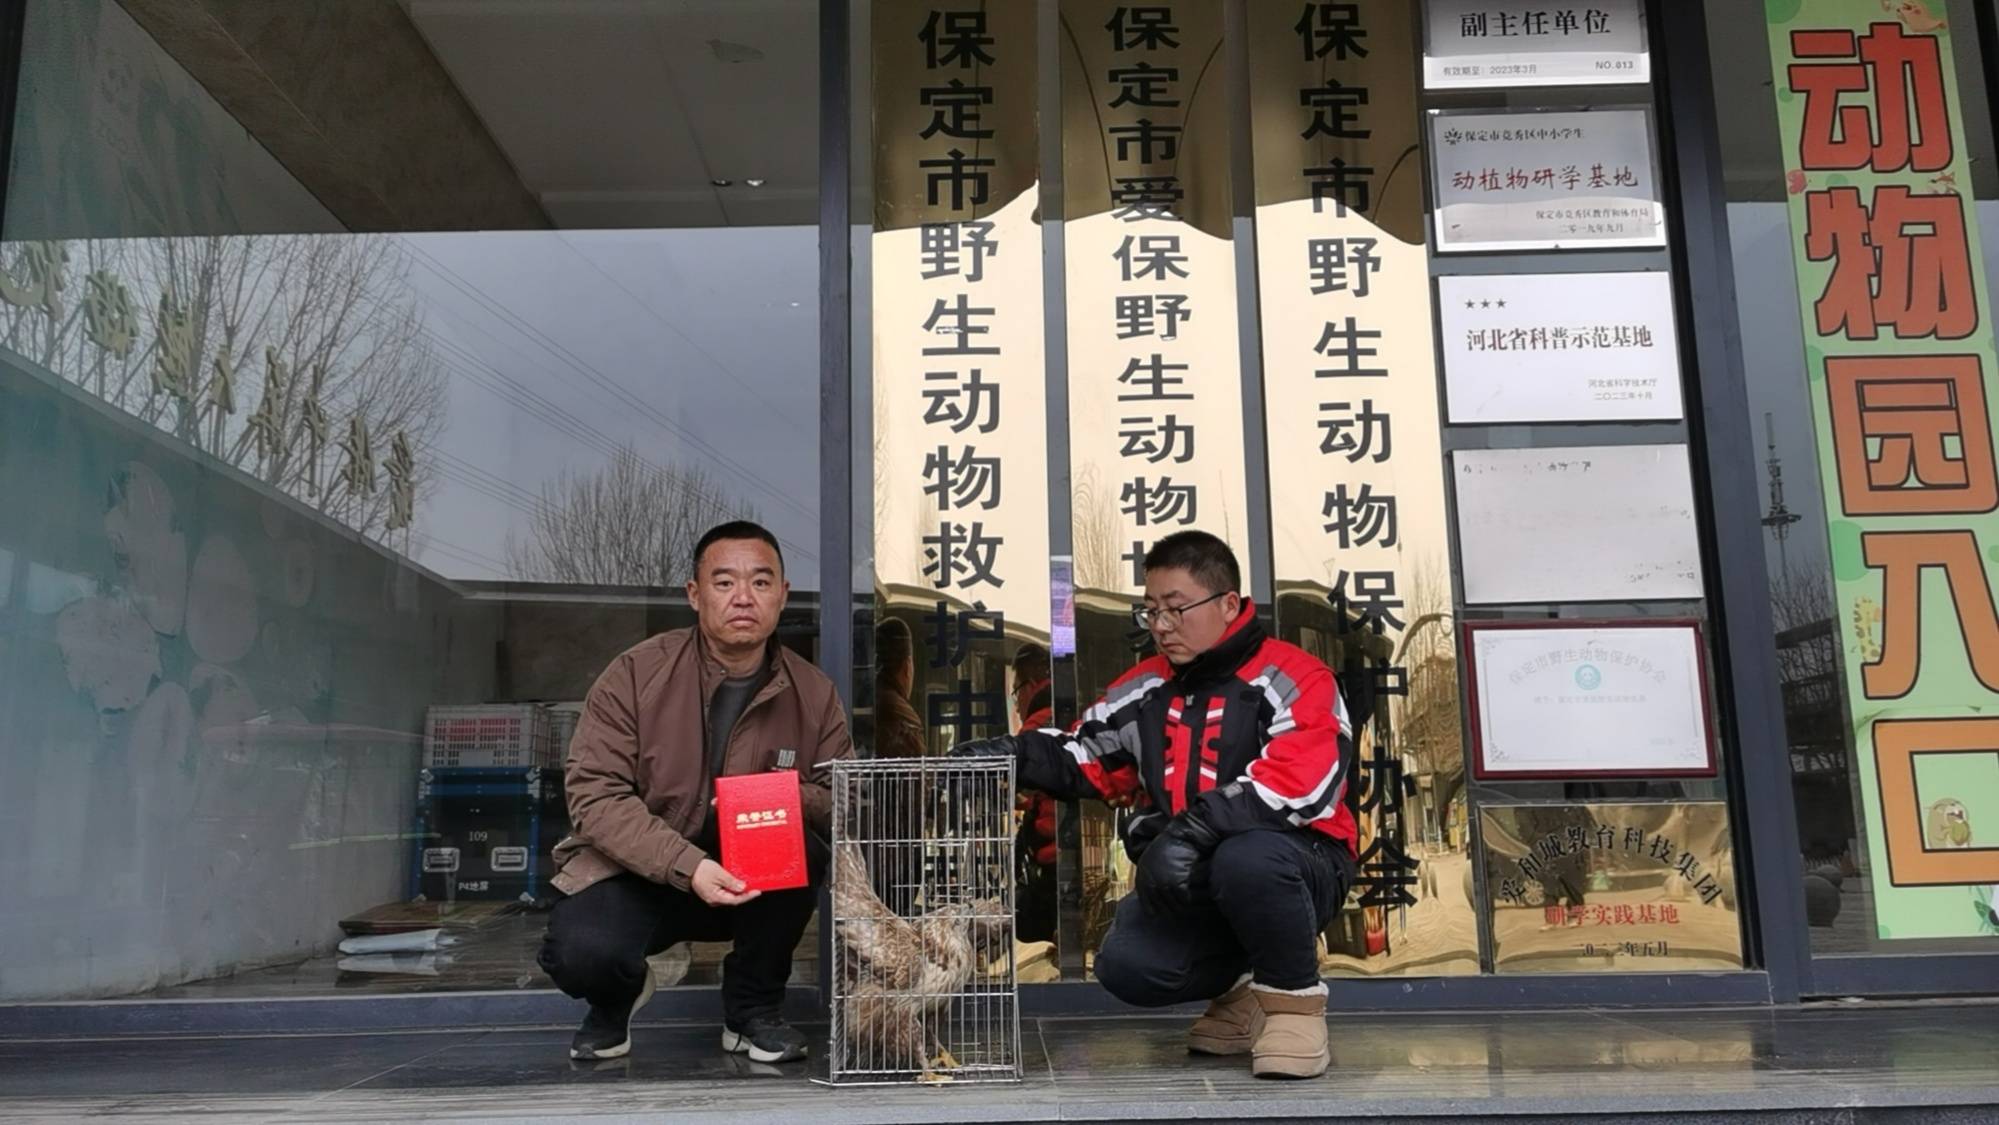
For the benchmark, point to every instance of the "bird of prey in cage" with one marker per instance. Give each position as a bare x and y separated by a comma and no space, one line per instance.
900,975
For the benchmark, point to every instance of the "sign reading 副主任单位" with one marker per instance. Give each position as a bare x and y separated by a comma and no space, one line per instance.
1474,44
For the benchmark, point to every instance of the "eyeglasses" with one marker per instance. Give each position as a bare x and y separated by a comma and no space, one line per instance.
1170,614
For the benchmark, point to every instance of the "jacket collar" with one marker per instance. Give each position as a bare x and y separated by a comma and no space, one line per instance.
1230,653
712,672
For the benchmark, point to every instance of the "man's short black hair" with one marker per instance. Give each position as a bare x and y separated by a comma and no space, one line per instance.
1207,558
736,529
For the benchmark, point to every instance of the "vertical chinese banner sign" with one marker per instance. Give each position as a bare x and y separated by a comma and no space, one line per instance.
960,405
1155,368
1155,357
1358,517
1899,351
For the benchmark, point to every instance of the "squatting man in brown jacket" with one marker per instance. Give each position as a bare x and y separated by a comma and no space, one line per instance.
639,874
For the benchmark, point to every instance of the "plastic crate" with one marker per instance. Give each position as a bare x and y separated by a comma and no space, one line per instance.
488,736
487,834
562,720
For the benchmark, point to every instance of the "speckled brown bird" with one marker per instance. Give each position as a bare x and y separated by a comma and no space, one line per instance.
902,974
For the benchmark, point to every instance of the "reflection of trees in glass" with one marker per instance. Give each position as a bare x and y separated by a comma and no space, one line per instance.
1809,671
222,342
626,523
1808,656
881,477
1094,525
1431,733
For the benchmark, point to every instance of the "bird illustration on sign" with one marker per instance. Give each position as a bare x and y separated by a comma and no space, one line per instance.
1949,824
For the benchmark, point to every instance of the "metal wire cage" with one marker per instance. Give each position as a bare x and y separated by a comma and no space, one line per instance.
924,987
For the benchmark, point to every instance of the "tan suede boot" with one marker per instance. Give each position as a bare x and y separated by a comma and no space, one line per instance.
1293,1042
1229,1026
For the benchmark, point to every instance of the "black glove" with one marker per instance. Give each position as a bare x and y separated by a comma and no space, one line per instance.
1139,832
1002,746
1173,870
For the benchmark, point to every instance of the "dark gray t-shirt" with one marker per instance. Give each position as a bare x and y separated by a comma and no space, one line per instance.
732,697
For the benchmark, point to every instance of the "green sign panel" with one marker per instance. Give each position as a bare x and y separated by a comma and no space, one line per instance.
1899,350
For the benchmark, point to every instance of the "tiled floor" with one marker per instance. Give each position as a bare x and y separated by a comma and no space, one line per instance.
1934,1062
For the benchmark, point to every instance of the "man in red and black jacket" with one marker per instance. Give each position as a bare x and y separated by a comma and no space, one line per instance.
1229,745
1035,843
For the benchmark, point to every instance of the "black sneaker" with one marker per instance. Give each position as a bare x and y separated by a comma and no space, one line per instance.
607,1031
765,1039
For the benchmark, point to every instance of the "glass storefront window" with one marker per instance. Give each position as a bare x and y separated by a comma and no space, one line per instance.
347,412
1251,347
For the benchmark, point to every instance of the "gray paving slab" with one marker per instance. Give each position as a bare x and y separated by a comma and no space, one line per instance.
1833,1065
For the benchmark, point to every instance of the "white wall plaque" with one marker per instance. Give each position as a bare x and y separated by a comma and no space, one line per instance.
1575,347
1590,524
1571,701
1545,181
1485,43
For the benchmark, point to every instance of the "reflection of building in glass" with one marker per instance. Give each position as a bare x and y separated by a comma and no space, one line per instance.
1810,670
1433,747
1411,912
1808,663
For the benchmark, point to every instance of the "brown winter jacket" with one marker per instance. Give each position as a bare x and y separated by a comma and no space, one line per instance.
637,773
898,732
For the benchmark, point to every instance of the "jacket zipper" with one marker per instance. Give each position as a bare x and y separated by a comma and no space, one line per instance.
1197,732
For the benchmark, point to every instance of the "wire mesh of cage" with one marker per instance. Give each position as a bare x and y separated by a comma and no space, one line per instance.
924,986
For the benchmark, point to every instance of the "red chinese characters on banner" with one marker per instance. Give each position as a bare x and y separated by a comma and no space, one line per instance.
1912,435
1902,557
1889,272
1908,127
1898,745
1903,264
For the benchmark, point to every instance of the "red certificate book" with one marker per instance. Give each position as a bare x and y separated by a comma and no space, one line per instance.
763,829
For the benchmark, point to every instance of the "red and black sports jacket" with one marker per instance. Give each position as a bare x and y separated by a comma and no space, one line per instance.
1038,826
1253,731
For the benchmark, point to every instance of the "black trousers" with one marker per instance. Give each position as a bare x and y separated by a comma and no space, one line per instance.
1271,892
1034,913
599,938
